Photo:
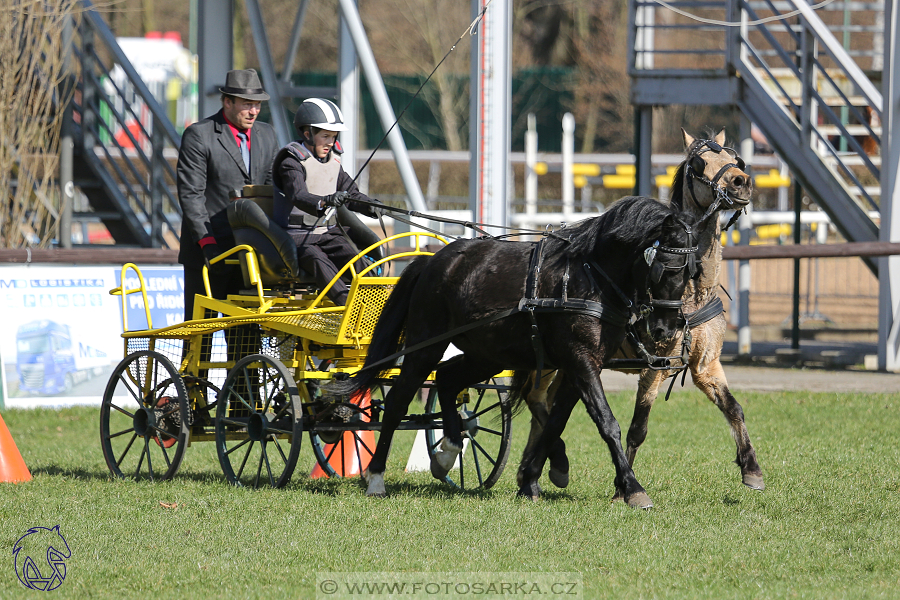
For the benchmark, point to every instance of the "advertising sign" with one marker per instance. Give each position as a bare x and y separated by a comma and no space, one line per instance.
60,336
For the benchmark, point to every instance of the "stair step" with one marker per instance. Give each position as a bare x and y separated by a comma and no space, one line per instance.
852,159
854,130
834,101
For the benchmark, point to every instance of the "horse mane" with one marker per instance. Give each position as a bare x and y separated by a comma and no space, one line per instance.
676,196
629,221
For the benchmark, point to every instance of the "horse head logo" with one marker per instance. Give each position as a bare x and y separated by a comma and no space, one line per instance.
40,558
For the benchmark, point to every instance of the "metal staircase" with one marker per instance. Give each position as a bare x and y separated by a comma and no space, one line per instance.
803,88
125,146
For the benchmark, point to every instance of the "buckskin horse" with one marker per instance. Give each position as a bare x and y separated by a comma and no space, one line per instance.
710,179
563,302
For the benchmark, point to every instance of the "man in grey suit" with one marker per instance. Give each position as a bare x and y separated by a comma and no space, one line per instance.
219,154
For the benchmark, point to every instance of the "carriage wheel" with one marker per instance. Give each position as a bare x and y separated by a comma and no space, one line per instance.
143,429
347,449
258,423
486,427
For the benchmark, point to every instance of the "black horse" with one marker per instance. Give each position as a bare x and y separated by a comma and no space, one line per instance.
564,303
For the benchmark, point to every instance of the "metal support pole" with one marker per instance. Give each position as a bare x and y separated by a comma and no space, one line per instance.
745,225
215,52
643,148
744,337
795,304
66,183
294,44
280,122
66,146
156,183
348,81
568,160
889,266
490,171
382,103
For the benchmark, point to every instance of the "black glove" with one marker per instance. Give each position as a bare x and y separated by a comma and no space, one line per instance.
375,211
336,200
210,251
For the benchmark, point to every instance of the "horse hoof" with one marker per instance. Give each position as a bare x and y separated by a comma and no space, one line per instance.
444,459
376,485
640,500
754,482
528,496
530,492
558,478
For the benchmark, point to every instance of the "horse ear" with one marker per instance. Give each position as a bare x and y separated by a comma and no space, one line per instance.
688,138
720,137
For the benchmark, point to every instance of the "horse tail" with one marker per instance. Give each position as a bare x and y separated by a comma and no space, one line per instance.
520,386
387,333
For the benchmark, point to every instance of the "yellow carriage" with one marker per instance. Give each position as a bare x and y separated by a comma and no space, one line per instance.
248,372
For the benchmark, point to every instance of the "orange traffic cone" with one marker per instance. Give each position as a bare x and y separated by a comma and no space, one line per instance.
12,467
355,447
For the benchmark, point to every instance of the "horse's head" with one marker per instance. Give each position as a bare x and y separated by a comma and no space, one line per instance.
712,176
665,266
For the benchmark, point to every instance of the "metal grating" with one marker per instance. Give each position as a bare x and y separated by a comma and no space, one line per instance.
366,309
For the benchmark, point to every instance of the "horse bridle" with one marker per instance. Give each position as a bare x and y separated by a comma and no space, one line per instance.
722,199
645,308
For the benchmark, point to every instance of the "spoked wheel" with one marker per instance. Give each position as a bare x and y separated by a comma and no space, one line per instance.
258,423
486,428
340,439
143,424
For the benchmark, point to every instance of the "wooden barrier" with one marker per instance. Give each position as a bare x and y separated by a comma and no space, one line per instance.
97,255
810,250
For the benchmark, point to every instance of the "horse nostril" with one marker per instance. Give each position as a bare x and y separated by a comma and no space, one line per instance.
739,181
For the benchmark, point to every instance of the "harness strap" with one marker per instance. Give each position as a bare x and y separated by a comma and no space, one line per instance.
390,359
712,309
531,285
598,310
589,308
593,265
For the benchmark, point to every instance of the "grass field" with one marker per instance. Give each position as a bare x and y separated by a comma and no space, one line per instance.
825,527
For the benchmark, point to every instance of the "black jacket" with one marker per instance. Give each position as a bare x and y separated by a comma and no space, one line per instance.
209,167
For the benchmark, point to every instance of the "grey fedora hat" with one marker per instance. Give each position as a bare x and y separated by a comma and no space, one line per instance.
244,84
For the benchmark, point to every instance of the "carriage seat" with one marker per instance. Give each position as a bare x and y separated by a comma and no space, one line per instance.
250,215
275,250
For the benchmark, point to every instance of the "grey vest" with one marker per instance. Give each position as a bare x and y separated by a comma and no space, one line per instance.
321,180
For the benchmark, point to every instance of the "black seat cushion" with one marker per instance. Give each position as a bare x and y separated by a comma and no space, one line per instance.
274,248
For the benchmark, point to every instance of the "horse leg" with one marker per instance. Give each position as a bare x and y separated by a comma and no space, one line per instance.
710,378
598,408
538,449
415,370
451,379
648,388
539,402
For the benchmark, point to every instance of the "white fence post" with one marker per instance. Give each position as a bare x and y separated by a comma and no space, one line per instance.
531,177
568,158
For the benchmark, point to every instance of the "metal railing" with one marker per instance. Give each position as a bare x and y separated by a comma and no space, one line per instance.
823,90
125,138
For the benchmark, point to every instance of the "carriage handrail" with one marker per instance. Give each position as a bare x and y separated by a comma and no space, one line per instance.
122,291
252,270
350,264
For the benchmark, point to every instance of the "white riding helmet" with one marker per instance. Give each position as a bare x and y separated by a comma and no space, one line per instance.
321,113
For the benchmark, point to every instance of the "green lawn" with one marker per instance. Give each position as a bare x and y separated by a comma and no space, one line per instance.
825,527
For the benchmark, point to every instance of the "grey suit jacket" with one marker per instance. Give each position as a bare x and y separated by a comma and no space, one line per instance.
209,167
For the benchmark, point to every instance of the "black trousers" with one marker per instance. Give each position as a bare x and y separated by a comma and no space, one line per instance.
322,255
241,340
